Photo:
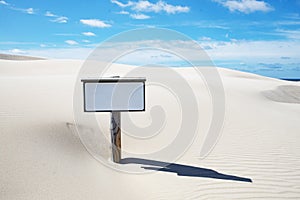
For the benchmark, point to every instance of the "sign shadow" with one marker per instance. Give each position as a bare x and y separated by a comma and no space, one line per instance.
182,170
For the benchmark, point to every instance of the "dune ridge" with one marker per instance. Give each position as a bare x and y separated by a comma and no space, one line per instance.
18,57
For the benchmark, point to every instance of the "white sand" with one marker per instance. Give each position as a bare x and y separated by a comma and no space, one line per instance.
18,57
41,157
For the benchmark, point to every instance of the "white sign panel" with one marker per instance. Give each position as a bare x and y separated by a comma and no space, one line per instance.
114,94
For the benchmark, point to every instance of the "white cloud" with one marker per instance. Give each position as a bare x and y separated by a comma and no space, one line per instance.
17,43
57,19
146,6
88,34
139,16
66,34
95,23
205,38
246,6
290,34
295,16
50,14
60,20
29,11
122,5
17,51
288,22
206,24
71,42
24,10
123,12
86,41
4,3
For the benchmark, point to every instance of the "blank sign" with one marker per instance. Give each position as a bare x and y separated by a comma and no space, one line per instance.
114,94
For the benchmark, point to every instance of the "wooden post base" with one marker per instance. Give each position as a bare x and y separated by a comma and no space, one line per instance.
115,131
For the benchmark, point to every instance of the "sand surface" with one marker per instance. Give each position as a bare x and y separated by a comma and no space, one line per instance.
42,157
18,57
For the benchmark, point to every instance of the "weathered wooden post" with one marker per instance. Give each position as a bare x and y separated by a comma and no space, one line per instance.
115,132
114,95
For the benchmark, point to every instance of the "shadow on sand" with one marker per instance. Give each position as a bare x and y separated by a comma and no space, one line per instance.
182,170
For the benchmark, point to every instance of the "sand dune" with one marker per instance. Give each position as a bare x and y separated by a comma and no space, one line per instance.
18,57
284,93
42,156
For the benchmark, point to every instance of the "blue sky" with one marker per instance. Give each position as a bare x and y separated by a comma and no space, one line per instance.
250,35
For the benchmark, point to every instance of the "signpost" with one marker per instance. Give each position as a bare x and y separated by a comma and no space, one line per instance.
114,95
